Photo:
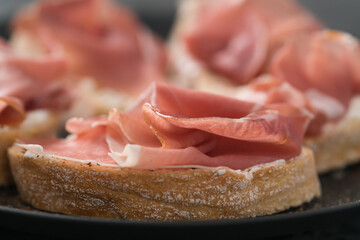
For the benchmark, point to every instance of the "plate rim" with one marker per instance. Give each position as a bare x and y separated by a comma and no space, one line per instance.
53,216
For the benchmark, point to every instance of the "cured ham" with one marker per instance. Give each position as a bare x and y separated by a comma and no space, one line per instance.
268,89
100,40
174,127
30,83
316,72
324,66
237,39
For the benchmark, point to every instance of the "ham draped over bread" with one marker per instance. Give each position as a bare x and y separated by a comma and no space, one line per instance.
174,127
30,83
100,40
244,40
325,67
237,39
318,72
267,89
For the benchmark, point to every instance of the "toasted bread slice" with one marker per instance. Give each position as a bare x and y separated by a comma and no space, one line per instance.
339,145
39,123
80,188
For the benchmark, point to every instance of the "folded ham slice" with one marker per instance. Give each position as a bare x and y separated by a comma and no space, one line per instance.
30,83
174,127
268,89
318,72
101,41
237,39
324,66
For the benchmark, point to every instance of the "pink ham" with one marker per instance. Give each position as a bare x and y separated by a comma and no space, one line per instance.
238,38
30,83
324,66
173,127
267,89
101,40
12,111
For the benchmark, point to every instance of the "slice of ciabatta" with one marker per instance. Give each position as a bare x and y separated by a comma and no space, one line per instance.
87,189
40,123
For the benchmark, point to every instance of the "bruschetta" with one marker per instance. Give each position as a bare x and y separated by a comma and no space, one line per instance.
177,154
111,56
225,47
32,99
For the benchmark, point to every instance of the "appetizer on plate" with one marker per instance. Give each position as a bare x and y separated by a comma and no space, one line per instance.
32,99
226,46
111,56
217,45
177,154
325,68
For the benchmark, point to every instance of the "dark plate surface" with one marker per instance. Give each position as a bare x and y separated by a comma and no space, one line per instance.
339,203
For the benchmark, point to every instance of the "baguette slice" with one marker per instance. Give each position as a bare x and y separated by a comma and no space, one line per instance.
40,123
80,188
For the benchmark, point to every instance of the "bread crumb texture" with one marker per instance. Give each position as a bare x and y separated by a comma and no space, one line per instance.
178,194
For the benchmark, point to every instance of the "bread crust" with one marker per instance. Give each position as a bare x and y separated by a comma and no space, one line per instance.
37,124
78,188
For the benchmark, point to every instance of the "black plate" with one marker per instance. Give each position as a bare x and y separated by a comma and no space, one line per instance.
339,203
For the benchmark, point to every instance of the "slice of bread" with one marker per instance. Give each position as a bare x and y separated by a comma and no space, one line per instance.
40,123
80,188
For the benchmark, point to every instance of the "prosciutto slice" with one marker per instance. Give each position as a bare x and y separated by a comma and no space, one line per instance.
267,89
174,127
101,40
237,39
324,66
30,83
